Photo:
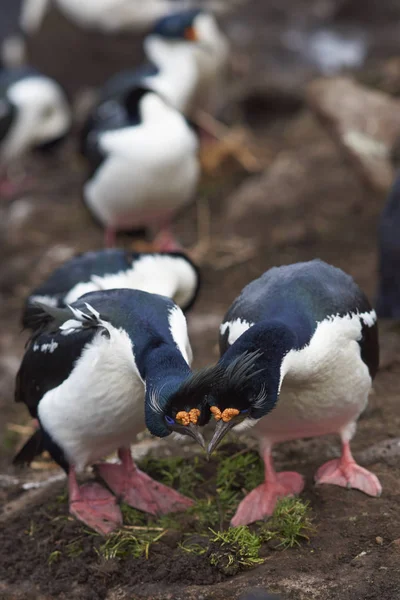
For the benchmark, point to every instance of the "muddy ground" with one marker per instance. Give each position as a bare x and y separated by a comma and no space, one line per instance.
317,206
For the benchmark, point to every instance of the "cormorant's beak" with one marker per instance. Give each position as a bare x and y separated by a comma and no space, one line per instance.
192,430
220,432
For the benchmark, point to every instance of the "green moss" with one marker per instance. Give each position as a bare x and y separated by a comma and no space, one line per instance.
195,547
125,543
290,524
10,439
175,472
206,514
131,516
54,557
74,548
226,480
62,498
242,471
234,549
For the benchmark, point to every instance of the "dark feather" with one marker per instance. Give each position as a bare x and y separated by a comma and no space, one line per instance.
33,447
7,115
42,370
237,375
194,391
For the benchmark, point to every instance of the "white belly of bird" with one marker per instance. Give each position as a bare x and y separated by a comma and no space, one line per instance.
325,385
129,190
100,407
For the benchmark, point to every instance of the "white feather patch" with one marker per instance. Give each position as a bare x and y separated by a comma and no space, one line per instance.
178,329
235,329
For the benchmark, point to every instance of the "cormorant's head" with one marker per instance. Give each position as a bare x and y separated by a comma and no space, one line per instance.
241,396
42,114
183,25
182,407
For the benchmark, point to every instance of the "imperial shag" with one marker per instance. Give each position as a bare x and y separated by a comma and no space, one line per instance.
311,341
94,375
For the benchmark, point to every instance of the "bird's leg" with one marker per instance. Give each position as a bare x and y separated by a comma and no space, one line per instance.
13,182
92,504
344,471
165,240
138,489
110,237
260,503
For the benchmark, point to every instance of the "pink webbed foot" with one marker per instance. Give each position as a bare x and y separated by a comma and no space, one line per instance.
349,474
141,491
96,507
260,503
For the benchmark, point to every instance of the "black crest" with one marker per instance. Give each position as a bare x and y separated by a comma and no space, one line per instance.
239,375
194,391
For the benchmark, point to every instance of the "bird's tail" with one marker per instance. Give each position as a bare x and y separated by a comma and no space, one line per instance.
33,447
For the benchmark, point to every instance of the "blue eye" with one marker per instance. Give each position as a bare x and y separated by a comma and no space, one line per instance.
245,411
169,420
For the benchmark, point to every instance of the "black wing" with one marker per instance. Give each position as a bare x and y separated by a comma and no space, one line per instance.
302,295
78,269
51,352
48,361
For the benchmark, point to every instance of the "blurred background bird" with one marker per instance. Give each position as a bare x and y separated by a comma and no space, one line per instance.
190,51
388,296
172,275
144,165
34,114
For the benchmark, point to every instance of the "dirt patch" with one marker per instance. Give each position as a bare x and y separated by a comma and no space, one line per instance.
352,552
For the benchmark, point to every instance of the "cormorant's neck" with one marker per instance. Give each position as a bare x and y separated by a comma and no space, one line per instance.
272,340
178,74
162,366
163,371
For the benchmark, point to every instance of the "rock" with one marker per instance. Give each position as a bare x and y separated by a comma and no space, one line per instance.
272,209
364,122
379,540
396,544
387,451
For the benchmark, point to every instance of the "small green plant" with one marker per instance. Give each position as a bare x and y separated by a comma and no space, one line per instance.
74,548
194,547
242,471
175,472
205,513
54,557
131,516
290,523
32,529
234,549
125,543
62,498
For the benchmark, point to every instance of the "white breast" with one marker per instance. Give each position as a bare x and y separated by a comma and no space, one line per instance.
151,170
178,77
325,385
101,405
